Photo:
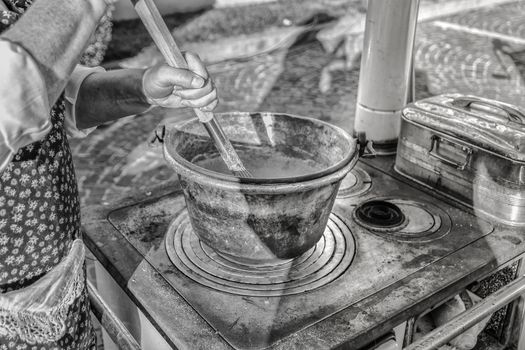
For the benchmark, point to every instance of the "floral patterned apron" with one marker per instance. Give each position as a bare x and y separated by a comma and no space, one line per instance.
40,218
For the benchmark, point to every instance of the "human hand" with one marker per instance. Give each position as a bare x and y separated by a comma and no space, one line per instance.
170,87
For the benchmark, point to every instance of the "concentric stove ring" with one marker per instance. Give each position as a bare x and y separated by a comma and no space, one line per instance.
403,220
319,266
382,215
355,183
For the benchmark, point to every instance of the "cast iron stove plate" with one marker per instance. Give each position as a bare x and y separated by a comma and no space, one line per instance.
256,322
320,265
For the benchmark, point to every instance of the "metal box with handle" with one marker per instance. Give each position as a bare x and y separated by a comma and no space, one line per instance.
469,148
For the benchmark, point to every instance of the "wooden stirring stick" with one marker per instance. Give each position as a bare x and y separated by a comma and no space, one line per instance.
150,16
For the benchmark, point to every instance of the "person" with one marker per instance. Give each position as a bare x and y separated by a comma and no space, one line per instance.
44,99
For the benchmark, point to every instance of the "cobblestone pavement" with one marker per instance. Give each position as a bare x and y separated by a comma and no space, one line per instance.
454,63
504,19
462,60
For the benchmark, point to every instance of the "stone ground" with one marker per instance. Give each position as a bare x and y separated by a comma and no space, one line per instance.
267,57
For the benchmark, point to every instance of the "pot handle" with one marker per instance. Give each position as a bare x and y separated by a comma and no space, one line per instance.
511,113
158,136
434,149
366,147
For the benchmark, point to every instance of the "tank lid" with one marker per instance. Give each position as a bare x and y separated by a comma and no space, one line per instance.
491,125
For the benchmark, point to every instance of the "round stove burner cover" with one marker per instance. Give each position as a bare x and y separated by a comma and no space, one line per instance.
356,183
380,215
319,266
403,220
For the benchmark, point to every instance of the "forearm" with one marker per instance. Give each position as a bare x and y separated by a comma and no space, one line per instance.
55,33
107,96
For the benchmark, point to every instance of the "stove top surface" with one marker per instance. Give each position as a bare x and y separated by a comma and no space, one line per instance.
381,231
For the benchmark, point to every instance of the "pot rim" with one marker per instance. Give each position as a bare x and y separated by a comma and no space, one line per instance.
259,185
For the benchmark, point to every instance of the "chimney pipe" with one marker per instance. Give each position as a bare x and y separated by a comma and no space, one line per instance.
386,71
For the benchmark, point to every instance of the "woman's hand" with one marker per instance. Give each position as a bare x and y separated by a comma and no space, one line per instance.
170,87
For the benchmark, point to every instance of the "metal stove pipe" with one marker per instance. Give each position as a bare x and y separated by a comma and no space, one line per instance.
386,71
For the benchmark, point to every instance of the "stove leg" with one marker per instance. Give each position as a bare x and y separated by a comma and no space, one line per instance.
409,331
400,332
110,322
518,326
127,312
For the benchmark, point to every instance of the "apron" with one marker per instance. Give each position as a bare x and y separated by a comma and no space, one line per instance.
39,220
